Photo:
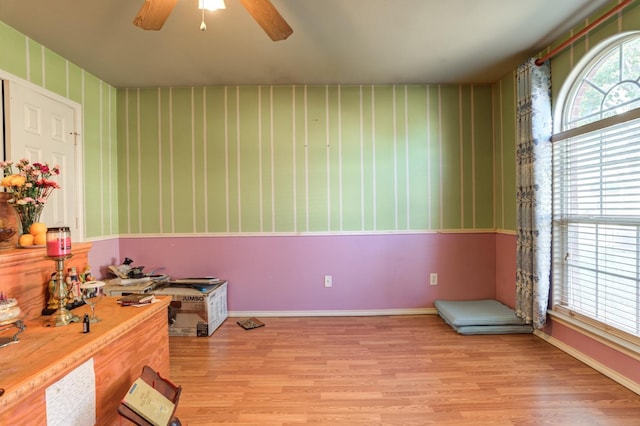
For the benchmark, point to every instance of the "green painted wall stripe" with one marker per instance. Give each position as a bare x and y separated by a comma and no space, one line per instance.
14,52
55,73
417,157
484,158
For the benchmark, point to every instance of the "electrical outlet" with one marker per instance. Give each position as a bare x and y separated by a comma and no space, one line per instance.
328,281
433,278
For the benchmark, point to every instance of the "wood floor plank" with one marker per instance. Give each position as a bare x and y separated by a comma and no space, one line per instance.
397,370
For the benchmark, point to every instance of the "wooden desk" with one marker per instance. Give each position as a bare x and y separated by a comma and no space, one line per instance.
124,341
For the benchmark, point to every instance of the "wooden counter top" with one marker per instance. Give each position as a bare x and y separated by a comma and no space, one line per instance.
17,255
44,354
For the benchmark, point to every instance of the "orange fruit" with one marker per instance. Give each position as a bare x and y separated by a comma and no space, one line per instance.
26,240
40,239
37,228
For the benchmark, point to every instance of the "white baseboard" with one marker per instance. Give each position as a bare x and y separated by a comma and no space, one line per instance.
596,365
357,313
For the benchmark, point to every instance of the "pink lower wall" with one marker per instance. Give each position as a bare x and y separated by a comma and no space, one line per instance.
102,254
506,269
286,273
621,363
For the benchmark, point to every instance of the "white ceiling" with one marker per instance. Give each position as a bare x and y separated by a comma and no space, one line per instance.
333,41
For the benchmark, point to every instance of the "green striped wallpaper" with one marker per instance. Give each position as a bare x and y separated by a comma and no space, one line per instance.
306,159
30,61
294,159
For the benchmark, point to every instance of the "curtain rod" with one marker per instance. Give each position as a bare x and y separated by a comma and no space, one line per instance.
584,31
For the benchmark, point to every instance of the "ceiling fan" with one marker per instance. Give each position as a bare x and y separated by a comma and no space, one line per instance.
153,14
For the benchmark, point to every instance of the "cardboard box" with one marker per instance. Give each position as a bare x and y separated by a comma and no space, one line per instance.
194,312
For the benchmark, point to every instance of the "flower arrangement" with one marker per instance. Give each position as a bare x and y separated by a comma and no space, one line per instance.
30,186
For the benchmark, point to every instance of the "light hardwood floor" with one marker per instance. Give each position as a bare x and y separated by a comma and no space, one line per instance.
398,370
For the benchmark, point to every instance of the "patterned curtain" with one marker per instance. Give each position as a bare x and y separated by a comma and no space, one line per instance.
533,192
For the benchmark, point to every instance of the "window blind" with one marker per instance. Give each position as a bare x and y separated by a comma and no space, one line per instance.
596,225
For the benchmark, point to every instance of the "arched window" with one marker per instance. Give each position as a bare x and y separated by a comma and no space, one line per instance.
607,85
596,187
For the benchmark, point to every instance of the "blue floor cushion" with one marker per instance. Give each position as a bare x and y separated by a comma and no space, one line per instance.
480,317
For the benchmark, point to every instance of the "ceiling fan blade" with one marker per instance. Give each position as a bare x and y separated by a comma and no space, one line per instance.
268,17
154,13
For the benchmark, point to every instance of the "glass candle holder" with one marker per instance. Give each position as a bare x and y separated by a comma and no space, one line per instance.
58,241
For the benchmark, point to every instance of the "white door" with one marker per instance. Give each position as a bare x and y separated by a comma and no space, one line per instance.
42,128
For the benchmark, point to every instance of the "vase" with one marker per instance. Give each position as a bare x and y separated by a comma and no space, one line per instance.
28,214
9,227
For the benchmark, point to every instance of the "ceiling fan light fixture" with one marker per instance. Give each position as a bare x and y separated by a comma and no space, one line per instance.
211,4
